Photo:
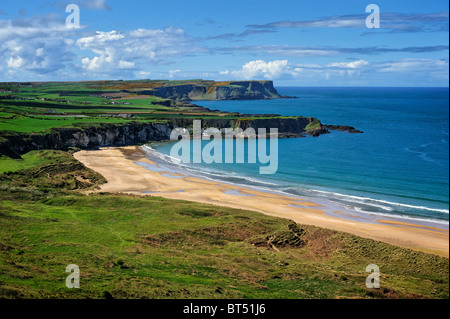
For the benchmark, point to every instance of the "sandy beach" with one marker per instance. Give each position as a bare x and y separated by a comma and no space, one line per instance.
127,170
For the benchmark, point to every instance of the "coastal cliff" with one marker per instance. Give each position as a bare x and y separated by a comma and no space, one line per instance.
13,145
95,136
231,90
287,126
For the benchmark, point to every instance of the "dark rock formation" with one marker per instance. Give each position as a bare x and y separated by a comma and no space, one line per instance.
284,125
242,90
95,136
14,145
343,128
287,127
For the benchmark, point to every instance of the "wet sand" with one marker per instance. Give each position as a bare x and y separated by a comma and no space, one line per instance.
127,170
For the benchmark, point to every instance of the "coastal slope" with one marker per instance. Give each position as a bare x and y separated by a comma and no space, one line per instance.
118,166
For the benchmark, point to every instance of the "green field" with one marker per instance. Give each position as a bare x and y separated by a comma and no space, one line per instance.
39,107
149,247
38,124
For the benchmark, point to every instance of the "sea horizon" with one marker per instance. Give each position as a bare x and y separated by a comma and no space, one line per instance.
411,195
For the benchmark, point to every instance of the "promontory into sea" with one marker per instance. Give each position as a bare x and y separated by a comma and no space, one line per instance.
88,114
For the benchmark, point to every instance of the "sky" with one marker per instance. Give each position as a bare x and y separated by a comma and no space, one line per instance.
292,42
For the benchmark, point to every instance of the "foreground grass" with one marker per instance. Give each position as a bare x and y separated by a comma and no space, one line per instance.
149,247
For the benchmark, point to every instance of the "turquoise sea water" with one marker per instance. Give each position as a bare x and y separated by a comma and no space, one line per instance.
398,167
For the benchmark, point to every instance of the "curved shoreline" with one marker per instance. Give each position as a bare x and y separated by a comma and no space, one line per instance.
331,207
118,166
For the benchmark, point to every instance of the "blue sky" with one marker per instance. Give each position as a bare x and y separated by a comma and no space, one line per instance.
293,42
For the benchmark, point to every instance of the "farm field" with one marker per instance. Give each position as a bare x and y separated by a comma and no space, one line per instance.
39,107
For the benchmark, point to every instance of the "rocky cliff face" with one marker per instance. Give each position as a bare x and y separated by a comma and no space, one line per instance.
242,90
250,90
284,125
135,133
98,136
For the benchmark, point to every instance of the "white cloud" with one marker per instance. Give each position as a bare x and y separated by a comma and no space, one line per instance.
36,46
142,74
41,46
269,70
127,50
126,65
406,72
415,65
309,73
173,72
40,52
44,48
103,45
285,70
295,52
15,63
349,65
422,71
100,38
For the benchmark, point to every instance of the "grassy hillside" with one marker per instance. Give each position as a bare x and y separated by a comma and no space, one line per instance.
39,107
150,247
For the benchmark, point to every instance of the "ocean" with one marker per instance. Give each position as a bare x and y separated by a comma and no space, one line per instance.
398,167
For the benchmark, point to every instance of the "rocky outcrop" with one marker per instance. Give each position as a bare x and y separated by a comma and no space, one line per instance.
284,125
90,137
14,145
343,128
287,126
250,90
232,90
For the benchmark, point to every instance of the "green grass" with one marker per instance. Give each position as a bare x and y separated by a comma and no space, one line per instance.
315,124
79,95
152,248
28,124
149,247
29,160
6,115
38,106
48,171
29,116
